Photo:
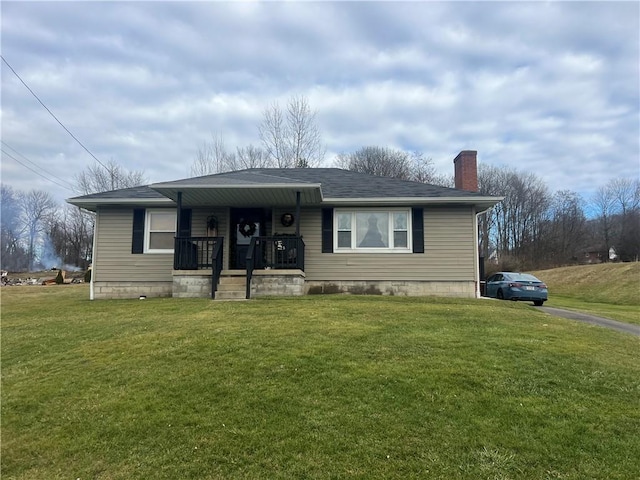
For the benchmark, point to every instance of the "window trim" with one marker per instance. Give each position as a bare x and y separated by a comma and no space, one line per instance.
360,250
147,230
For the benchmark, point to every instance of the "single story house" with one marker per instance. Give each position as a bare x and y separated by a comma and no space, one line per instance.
271,231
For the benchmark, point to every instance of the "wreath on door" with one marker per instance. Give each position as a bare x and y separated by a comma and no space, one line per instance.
247,228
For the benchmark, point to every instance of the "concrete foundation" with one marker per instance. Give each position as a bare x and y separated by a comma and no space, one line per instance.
191,284
103,290
409,289
277,283
273,283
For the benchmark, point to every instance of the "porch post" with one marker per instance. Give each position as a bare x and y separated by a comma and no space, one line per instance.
297,213
179,203
177,251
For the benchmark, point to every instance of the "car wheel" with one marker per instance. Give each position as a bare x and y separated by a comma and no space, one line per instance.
500,295
538,303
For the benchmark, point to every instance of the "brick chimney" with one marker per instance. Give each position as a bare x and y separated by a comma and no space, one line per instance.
466,170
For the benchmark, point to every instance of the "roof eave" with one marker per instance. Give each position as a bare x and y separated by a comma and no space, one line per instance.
482,203
245,195
173,186
93,204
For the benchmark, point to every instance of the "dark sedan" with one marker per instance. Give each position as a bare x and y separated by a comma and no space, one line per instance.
516,286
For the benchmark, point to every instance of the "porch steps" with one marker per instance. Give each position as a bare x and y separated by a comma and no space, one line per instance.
231,287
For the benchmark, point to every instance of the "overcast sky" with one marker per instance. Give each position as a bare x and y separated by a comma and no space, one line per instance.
547,87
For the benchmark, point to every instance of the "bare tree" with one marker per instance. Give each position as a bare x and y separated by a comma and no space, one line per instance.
617,209
250,157
12,254
70,234
97,178
273,134
305,141
516,225
36,208
488,185
565,235
425,172
381,161
389,162
292,138
626,193
603,203
212,157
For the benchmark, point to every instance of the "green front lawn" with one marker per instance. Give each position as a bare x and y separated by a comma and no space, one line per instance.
313,387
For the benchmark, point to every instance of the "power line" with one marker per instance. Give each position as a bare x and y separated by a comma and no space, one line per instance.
51,113
36,165
36,172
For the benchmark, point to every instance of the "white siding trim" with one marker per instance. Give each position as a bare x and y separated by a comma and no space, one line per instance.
93,258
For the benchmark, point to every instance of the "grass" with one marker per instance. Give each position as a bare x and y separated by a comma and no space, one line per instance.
610,290
313,387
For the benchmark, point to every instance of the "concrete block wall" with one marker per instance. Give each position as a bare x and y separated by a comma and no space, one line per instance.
105,290
191,284
267,283
441,289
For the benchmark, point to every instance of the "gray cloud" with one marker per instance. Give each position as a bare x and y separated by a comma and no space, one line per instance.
551,87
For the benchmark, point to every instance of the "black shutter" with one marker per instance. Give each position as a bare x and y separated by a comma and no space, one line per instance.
327,230
137,237
418,229
185,223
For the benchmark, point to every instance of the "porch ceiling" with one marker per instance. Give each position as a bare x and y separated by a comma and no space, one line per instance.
242,195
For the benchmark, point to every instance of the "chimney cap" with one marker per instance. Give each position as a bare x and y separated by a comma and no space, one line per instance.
465,153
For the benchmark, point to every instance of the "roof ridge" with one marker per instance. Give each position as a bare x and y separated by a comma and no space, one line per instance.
278,176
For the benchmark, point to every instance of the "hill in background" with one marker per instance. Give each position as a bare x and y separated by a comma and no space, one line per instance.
617,283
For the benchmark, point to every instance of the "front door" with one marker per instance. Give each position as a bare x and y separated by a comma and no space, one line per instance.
246,223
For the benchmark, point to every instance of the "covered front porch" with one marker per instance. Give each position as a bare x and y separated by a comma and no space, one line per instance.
273,265
251,236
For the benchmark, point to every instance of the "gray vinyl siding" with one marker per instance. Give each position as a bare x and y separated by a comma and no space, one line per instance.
277,227
114,261
199,218
449,249
449,252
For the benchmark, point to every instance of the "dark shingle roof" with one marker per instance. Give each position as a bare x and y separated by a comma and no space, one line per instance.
134,193
336,183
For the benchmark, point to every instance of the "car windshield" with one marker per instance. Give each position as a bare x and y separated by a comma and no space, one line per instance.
522,277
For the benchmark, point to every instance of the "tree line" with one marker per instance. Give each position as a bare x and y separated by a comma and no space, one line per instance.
37,233
531,228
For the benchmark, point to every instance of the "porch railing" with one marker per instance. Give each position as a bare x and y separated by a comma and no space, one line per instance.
275,252
195,253
216,267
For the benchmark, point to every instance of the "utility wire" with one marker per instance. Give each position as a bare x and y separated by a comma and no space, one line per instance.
36,172
51,113
36,165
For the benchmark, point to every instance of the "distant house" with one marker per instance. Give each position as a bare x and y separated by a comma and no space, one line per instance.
599,255
265,231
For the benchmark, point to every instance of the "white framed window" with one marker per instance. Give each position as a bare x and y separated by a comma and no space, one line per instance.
159,231
372,230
